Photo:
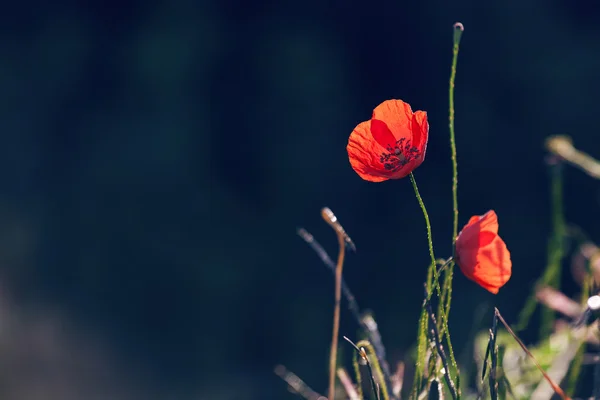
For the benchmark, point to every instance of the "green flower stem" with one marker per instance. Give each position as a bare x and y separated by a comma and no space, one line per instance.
432,272
446,298
432,266
458,30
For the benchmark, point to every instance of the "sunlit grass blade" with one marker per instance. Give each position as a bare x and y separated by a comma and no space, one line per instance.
363,354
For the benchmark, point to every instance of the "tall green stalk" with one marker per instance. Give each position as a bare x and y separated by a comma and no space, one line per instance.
445,294
432,276
430,285
446,298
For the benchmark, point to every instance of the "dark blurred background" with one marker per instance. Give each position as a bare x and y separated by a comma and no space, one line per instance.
158,156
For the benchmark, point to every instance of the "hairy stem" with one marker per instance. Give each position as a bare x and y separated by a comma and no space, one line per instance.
428,285
446,299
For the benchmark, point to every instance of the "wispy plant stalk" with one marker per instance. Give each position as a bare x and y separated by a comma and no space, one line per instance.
431,283
332,220
446,298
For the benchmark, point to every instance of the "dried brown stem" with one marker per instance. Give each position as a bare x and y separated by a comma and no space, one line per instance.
562,146
332,220
322,254
557,301
296,384
364,320
398,379
347,384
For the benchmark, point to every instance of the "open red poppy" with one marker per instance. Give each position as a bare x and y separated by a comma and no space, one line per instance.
391,144
481,254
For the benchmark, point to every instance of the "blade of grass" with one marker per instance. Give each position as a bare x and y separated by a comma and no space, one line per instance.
358,375
492,351
371,329
370,351
494,368
362,353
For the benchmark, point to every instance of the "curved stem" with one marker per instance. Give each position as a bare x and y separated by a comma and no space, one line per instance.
429,238
370,350
434,273
332,220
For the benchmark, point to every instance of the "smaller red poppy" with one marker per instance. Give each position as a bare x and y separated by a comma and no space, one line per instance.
481,254
391,144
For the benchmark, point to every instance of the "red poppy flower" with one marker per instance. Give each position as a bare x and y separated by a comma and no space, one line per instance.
391,144
481,254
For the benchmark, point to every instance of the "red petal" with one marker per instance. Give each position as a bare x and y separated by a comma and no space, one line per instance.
469,235
398,117
363,152
420,129
494,267
489,222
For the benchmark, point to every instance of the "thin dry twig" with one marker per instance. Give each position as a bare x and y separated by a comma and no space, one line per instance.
398,379
365,320
551,382
347,384
322,254
297,385
557,301
562,146
331,219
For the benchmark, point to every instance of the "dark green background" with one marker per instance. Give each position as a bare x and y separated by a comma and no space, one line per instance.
160,155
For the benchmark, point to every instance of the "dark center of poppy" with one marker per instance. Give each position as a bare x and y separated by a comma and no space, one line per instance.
398,155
